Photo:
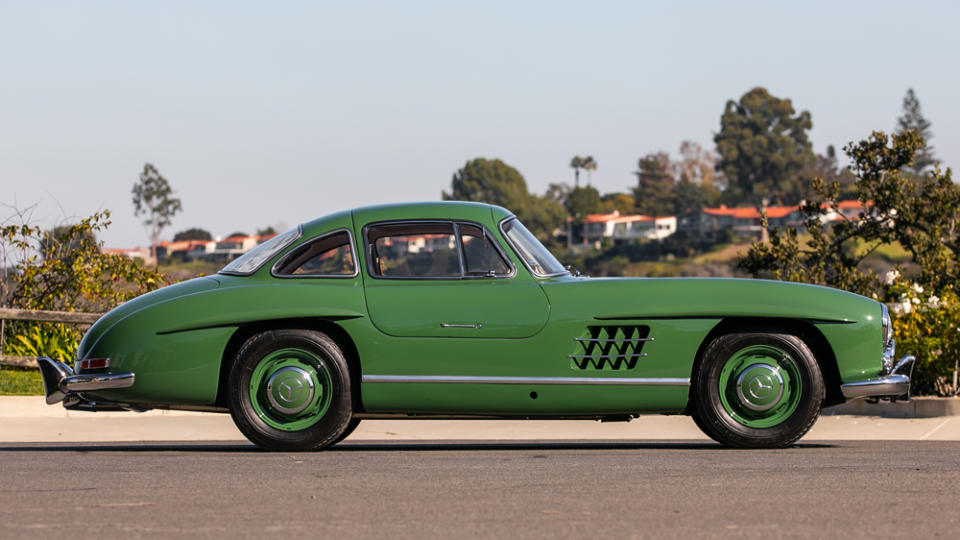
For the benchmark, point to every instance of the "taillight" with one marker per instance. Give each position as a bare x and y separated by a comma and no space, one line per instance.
93,363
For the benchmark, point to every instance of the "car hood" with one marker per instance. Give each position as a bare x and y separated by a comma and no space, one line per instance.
117,314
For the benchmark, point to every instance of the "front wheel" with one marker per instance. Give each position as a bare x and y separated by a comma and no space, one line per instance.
290,390
757,390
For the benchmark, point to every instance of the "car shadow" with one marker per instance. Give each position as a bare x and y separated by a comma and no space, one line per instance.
388,446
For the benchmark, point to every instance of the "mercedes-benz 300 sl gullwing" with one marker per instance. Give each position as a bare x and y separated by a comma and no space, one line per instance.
455,310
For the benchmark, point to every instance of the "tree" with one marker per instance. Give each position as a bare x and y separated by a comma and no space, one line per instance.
582,201
621,202
654,192
912,119
921,216
696,165
266,231
688,196
576,163
193,234
153,198
493,181
589,164
762,142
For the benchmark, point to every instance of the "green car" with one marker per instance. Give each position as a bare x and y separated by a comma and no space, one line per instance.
455,310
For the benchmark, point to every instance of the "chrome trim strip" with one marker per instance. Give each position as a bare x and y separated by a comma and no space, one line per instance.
620,340
469,379
606,355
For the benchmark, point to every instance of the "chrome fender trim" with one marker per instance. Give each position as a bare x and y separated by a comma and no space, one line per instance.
466,379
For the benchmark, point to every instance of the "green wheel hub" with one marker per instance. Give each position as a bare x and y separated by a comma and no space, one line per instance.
760,386
291,389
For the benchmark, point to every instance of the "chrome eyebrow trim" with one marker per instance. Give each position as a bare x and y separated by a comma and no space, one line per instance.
616,340
467,379
606,355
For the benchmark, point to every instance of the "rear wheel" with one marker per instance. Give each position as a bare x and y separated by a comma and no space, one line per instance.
290,390
757,390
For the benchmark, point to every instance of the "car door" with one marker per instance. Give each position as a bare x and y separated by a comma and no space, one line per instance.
447,278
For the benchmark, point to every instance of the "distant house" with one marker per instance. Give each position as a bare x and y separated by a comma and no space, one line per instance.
624,228
142,253
192,250
744,221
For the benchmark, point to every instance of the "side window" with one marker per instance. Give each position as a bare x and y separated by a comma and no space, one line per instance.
330,255
480,258
413,250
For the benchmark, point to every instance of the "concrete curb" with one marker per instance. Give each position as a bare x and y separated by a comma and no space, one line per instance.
36,407
920,407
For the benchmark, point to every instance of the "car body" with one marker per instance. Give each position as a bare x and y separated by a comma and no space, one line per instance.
453,309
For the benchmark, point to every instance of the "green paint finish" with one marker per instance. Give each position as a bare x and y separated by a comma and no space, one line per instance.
174,339
290,389
760,386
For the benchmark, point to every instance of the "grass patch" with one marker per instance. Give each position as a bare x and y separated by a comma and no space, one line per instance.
20,382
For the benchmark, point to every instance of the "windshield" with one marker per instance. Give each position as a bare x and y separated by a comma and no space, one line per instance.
250,261
540,261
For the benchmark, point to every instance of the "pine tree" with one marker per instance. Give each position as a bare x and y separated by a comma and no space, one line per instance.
913,119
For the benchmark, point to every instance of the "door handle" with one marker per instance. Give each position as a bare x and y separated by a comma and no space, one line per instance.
452,325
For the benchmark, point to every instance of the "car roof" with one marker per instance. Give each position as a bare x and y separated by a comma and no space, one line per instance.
470,211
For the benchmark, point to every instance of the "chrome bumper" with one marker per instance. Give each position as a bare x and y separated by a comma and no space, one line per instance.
59,381
895,385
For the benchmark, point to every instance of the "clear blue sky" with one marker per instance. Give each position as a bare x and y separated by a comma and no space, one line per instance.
277,112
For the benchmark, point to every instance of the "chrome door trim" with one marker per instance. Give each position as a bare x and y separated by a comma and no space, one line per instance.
471,379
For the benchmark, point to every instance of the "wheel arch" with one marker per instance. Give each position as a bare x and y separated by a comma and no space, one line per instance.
803,329
328,327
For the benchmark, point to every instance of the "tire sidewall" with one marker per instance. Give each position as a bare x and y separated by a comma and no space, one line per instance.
719,424
318,435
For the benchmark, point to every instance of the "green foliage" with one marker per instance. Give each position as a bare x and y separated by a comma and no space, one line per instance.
927,327
495,182
193,234
74,274
762,142
20,382
582,201
923,217
153,199
56,340
912,119
586,163
654,192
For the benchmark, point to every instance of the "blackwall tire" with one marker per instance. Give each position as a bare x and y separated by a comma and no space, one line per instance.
289,390
757,390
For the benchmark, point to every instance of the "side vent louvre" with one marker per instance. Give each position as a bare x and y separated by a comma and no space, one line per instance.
609,348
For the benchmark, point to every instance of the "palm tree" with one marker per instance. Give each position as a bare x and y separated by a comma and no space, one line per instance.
577,164
589,164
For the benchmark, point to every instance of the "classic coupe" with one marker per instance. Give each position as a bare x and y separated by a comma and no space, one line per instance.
455,310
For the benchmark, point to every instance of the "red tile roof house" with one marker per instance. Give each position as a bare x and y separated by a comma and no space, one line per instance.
625,228
744,221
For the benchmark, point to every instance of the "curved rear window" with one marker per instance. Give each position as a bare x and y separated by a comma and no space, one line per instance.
250,261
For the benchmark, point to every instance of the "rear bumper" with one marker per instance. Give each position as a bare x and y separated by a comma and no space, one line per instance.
59,381
895,385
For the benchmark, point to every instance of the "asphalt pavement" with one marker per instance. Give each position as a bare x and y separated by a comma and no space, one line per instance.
474,489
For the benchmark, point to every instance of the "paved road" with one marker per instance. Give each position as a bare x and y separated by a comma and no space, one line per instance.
480,490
